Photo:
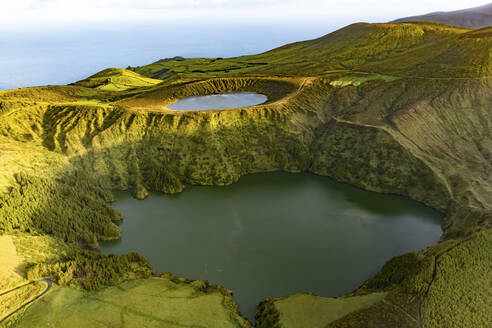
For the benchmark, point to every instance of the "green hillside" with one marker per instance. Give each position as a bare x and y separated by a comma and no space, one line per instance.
422,50
393,108
156,302
117,79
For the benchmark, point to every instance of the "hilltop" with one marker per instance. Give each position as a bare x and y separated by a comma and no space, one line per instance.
400,108
477,17
425,50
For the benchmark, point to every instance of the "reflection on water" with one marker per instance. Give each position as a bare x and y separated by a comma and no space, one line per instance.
220,101
274,234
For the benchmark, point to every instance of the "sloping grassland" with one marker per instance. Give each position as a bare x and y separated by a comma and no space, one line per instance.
412,116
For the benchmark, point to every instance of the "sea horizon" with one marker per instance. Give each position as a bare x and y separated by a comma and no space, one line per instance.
53,56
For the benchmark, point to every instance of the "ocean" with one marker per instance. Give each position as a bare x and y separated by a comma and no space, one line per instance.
48,56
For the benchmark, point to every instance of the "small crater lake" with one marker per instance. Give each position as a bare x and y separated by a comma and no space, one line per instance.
219,101
274,234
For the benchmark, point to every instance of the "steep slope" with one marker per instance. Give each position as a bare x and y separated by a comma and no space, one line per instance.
477,17
393,108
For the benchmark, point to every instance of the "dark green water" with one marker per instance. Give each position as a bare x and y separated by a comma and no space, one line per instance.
219,101
274,234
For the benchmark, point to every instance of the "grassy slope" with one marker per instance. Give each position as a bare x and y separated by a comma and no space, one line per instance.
10,263
155,302
311,311
11,301
11,276
117,79
409,49
418,94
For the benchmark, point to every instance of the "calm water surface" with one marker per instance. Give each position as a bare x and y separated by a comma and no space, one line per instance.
61,55
219,101
274,234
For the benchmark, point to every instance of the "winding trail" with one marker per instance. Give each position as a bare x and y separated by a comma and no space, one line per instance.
49,285
295,93
403,311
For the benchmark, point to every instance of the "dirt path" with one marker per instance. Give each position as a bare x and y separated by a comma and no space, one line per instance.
295,93
403,311
47,281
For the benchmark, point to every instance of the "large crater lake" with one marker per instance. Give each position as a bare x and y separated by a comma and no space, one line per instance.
219,101
274,234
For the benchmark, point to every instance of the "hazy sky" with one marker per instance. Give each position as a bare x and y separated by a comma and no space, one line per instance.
19,14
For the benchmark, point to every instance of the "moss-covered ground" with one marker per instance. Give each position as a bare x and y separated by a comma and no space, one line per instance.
393,108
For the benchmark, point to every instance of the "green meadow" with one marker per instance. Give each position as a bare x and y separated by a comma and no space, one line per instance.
154,302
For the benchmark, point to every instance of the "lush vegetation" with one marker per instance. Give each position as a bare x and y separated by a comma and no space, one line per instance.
117,79
395,108
310,311
423,50
85,219
92,271
459,294
11,264
11,301
155,302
